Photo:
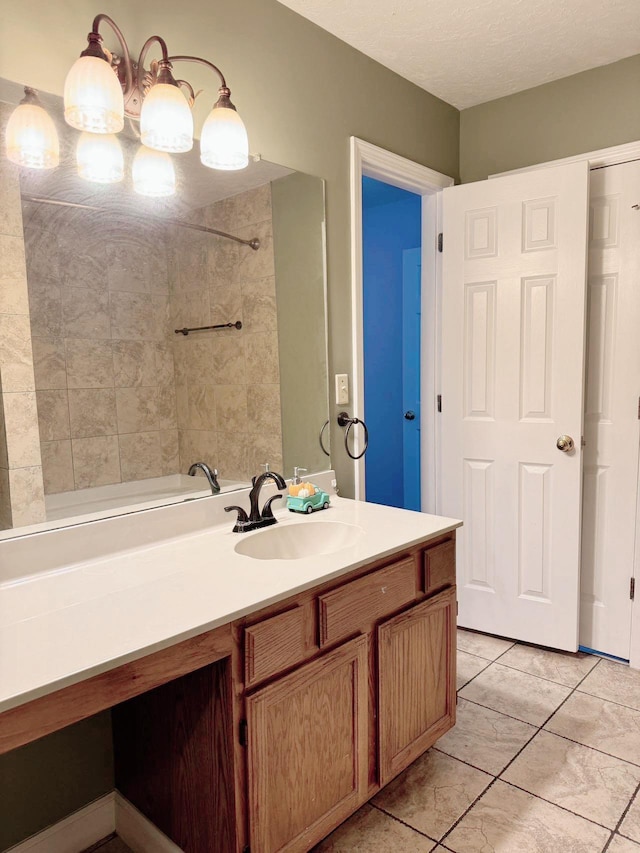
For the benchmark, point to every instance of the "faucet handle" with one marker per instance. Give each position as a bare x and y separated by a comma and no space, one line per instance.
242,521
266,466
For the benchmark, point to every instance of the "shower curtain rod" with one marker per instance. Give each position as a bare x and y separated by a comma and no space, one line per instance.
253,244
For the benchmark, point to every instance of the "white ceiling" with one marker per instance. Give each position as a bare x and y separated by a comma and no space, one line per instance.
471,51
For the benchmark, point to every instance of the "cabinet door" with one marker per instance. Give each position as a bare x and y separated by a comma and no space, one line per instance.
416,681
308,750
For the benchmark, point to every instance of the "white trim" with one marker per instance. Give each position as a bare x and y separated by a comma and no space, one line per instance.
597,159
75,832
370,161
138,832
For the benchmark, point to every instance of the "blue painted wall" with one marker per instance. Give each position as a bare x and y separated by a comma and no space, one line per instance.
391,223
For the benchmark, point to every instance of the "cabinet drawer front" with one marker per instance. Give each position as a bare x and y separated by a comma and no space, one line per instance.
440,566
359,603
273,645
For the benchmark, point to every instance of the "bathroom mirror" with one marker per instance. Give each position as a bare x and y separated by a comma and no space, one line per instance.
111,403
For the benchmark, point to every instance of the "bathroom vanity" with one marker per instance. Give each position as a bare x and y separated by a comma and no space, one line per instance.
257,702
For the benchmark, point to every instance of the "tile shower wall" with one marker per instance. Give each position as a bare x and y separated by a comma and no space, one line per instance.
104,377
227,382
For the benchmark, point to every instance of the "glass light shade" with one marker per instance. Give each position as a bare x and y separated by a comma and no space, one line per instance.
99,157
153,173
166,123
32,138
223,142
93,98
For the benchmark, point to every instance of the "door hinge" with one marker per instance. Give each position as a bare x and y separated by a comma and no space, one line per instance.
583,443
632,589
440,241
244,733
439,402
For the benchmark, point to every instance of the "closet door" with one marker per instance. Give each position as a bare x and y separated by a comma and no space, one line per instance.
513,337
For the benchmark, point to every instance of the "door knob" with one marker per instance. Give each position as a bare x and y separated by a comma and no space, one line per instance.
565,443
410,416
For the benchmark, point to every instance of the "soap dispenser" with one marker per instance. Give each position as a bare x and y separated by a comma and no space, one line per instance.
296,482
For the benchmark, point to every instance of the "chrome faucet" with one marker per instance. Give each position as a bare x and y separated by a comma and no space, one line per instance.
212,476
255,519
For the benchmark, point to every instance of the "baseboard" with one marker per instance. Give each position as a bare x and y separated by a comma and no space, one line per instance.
76,832
138,832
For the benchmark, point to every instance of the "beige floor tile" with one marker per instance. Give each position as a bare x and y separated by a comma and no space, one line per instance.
468,666
515,693
506,820
432,793
630,826
594,722
623,845
485,738
370,830
614,681
482,645
579,779
563,667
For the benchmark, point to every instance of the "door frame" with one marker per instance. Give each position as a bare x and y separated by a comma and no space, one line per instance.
612,156
368,160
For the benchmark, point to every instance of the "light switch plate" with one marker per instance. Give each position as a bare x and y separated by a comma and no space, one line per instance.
342,389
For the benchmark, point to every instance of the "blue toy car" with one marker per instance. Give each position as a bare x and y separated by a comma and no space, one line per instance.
318,500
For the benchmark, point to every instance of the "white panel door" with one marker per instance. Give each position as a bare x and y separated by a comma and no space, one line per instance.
611,409
513,332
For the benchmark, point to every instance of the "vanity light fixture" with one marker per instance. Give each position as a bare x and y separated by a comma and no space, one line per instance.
31,135
99,157
153,173
154,97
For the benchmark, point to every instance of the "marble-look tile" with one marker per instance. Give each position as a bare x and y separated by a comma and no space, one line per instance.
137,409
249,208
53,415
41,255
579,779
85,313
506,820
614,681
27,496
6,518
228,363
468,666
262,358
45,312
630,826
49,363
96,461
614,729
128,267
190,309
231,409
197,366
222,260
253,264
170,451
432,793
225,306
201,407
622,845
263,409
189,263
182,406
167,407
234,450
84,268
131,316
197,446
21,429
482,645
562,667
485,738
89,363
16,354
92,412
140,456
134,363
4,455
264,448
14,295
57,467
259,308
164,364
515,693
11,209
370,830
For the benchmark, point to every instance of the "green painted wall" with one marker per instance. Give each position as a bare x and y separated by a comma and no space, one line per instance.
596,109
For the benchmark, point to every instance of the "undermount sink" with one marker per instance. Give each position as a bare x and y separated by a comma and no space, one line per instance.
297,541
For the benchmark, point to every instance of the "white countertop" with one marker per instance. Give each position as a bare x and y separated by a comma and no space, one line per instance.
69,623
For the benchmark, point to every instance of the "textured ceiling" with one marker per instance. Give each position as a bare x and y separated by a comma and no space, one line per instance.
471,51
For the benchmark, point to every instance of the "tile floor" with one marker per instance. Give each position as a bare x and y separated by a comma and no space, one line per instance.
545,758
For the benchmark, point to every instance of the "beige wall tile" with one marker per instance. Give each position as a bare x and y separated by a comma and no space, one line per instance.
53,415
14,295
161,325
42,256
131,316
92,412
164,366
190,309
134,363
84,268
57,467
167,407
255,263
170,451
49,363
265,448
231,408
27,496
261,352
89,363
137,409
46,311
140,455
190,262
250,208
10,209
263,409
129,267
228,362
233,457
96,461
21,425
4,456
197,446
16,355
222,260
259,309
226,306
182,406
85,313
6,518
202,407
198,358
